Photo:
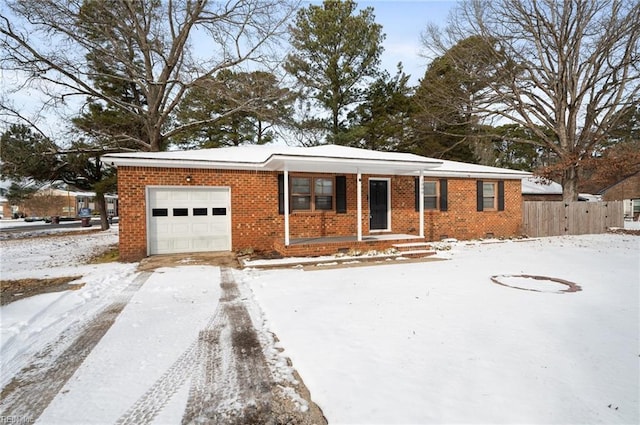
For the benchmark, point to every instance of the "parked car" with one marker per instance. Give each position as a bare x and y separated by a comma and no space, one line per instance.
49,219
32,219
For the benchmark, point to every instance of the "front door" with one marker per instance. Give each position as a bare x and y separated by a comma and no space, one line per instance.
378,204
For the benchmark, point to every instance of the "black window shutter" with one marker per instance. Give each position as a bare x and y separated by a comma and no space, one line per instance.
444,201
479,196
280,193
501,195
417,190
341,194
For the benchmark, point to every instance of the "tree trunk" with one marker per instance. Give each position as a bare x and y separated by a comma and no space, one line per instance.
102,207
335,124
570,184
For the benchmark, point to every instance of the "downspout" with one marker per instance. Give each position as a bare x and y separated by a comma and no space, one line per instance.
359,208
421,202
286,206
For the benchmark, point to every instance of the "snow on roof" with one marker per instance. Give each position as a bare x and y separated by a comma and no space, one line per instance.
589,197
237,154
258,154
336,151
463,169
537,186
327,158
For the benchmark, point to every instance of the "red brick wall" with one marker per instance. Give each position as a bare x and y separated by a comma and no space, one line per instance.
254,204
6,209
626,189
304,224
256,223
462,221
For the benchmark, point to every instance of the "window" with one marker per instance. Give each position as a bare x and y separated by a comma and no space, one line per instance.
180,212
301,193
159,212
430,196
200,211
489,197
219,211
309,194
435,195
323,191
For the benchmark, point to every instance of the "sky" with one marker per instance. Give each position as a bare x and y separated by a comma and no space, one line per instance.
403,23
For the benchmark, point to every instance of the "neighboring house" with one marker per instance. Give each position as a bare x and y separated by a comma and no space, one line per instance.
626,190
87,200
5,208
536,189
304,201
51,201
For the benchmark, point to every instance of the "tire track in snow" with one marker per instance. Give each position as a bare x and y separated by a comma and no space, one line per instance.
229,376
149,405
233,383
230,379
35,386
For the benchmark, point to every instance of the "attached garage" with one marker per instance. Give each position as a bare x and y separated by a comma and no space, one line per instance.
193,219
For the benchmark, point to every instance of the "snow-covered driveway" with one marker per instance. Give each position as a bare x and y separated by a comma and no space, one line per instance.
159,324
438,342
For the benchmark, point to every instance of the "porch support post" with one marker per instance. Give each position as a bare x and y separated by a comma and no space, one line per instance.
286,207
421,202
359,207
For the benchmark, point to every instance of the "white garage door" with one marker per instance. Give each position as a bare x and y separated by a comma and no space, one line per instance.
188,219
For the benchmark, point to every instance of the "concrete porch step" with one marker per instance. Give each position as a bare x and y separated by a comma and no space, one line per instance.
412,246
417,253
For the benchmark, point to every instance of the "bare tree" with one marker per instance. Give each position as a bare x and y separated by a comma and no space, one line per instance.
571,67
44,204
155,50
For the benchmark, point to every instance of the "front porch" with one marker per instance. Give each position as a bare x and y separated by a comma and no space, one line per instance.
305,247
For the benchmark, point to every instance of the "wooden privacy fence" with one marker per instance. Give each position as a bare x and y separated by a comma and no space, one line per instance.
555,218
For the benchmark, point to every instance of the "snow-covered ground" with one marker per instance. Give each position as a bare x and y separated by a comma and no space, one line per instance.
40,256
434,342
632,225
28,325
10,223
438,342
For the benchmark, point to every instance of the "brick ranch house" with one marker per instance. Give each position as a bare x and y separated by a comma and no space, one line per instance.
305,200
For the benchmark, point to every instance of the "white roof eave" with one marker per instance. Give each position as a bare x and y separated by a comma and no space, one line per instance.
180,163
517,175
